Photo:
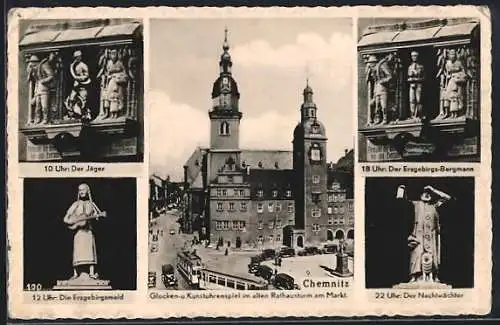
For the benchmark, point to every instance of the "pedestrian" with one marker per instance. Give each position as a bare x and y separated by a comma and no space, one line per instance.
161,232
226,252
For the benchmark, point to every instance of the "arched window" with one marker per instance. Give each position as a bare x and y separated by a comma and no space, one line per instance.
224,128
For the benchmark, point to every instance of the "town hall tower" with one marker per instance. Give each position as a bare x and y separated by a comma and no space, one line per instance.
310,168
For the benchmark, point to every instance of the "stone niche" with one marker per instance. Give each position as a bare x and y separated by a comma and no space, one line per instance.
81,90
419,91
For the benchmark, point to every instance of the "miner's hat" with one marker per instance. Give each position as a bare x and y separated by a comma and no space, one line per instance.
372,59
77,53
34,58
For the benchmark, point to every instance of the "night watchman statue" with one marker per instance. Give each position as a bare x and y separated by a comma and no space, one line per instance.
424,240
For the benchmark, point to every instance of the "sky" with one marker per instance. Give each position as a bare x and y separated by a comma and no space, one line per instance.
272,59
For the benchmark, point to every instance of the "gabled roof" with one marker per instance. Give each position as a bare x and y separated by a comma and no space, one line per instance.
157,180
418,31
79,30
194,167
269,180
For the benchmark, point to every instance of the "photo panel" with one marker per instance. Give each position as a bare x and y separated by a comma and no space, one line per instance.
419,232
419,89
79,234
81,90
260,194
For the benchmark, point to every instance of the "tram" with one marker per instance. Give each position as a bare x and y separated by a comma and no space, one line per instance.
189,266
216,280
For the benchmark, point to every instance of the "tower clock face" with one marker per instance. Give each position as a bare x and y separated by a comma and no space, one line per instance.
315,154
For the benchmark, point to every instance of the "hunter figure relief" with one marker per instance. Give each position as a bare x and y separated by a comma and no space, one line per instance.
95,87
42,80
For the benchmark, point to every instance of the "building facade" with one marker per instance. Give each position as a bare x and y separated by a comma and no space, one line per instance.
261,198
419,91
81,90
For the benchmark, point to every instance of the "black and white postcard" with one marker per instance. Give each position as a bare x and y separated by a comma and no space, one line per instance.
249,162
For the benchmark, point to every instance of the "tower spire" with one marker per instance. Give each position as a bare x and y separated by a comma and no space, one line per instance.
225,45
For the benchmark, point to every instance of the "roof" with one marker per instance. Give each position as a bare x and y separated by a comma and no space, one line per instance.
346,162
415,31
194,166
74,30
343,173
232,264
269,180
157,180
267,159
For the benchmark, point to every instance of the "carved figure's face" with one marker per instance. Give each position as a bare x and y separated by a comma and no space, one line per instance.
52,56
82,92
83,192
113,55
414,56
452,55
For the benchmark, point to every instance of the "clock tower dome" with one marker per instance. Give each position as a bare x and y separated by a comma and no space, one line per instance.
310,167
225,115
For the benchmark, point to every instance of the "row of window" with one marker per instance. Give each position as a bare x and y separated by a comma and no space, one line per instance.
271,238
227,225
278,224
240,192
243,206
230,192
332,221
260,193
336,197
276,207
271,207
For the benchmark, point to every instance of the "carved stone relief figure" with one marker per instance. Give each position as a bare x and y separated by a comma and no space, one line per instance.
472,83
76,102
42,83
380,80
114,79
453,77
415,85
133,73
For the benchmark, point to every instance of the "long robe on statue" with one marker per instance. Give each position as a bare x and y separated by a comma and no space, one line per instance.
426,232
84,247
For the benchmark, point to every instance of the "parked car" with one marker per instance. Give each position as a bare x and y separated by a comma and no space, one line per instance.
329,249
283,281
312,250
168,275
287,252
268,254
253,267
151,280
256,259
265,272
